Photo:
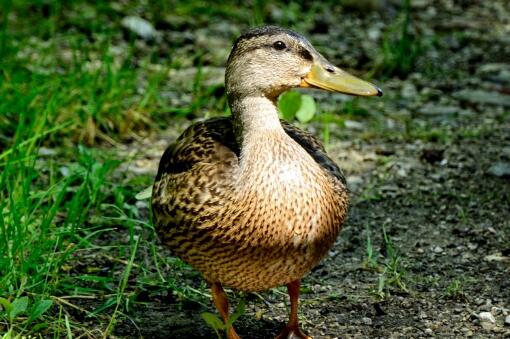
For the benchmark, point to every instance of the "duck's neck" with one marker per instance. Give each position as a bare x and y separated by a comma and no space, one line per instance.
255,119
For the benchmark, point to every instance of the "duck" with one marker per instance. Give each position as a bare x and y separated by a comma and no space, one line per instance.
251,201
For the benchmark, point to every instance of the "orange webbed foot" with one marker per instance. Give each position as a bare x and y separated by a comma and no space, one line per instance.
292,330
292,333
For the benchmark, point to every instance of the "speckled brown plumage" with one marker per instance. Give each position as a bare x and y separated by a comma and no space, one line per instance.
253,235
250,201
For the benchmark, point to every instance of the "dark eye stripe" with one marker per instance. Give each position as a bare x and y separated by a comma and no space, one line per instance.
305,53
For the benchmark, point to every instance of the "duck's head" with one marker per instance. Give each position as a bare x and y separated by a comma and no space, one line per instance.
270,60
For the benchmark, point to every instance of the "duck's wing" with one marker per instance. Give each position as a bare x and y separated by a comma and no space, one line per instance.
198,143
194,177
315,148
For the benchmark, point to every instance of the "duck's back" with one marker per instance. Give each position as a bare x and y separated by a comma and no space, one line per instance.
249,230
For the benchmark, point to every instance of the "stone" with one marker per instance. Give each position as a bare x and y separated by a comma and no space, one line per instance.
44,151
487,326
486,317
366,321
506,152
408,90
482,97
467,332
354,182
141,27
352,124
507,320
440,110
500,169
496,257
142,205
496,72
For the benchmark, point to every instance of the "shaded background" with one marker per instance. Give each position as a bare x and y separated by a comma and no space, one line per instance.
92,92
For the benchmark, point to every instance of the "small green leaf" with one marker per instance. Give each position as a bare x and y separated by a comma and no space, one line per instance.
6,305
107,304
39,327
289,104
213,321
19,305
39,308
8,335
239,311
94,278
307,108
145,194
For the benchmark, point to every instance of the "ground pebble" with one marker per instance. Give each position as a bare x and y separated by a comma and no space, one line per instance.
486,317
488,326
467,332
408,90
500,169
507,320
140,27
484,97
506,152
366,320
428,331
354,182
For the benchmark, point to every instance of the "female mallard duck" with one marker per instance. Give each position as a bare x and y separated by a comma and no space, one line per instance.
251,201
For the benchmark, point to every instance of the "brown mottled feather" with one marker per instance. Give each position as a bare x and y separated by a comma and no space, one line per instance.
254,236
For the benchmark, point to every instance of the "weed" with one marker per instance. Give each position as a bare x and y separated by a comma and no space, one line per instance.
372,192
393,268
393,272
31,250
352,108
435,134
259,10
120,290
400,48
217,324
370,262
455,290
20,306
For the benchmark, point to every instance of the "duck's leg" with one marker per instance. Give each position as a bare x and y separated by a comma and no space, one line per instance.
292,331
221,302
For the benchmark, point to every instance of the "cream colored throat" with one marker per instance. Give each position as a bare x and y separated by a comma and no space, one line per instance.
271,161
255,117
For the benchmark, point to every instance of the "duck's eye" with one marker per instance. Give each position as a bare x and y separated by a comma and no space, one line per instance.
279,45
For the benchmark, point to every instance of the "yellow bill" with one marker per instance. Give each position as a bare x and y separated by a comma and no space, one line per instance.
336,80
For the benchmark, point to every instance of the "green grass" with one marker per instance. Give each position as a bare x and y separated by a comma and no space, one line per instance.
401,46
61,89
391,270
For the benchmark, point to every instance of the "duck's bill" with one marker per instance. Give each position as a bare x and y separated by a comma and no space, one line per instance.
336,80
